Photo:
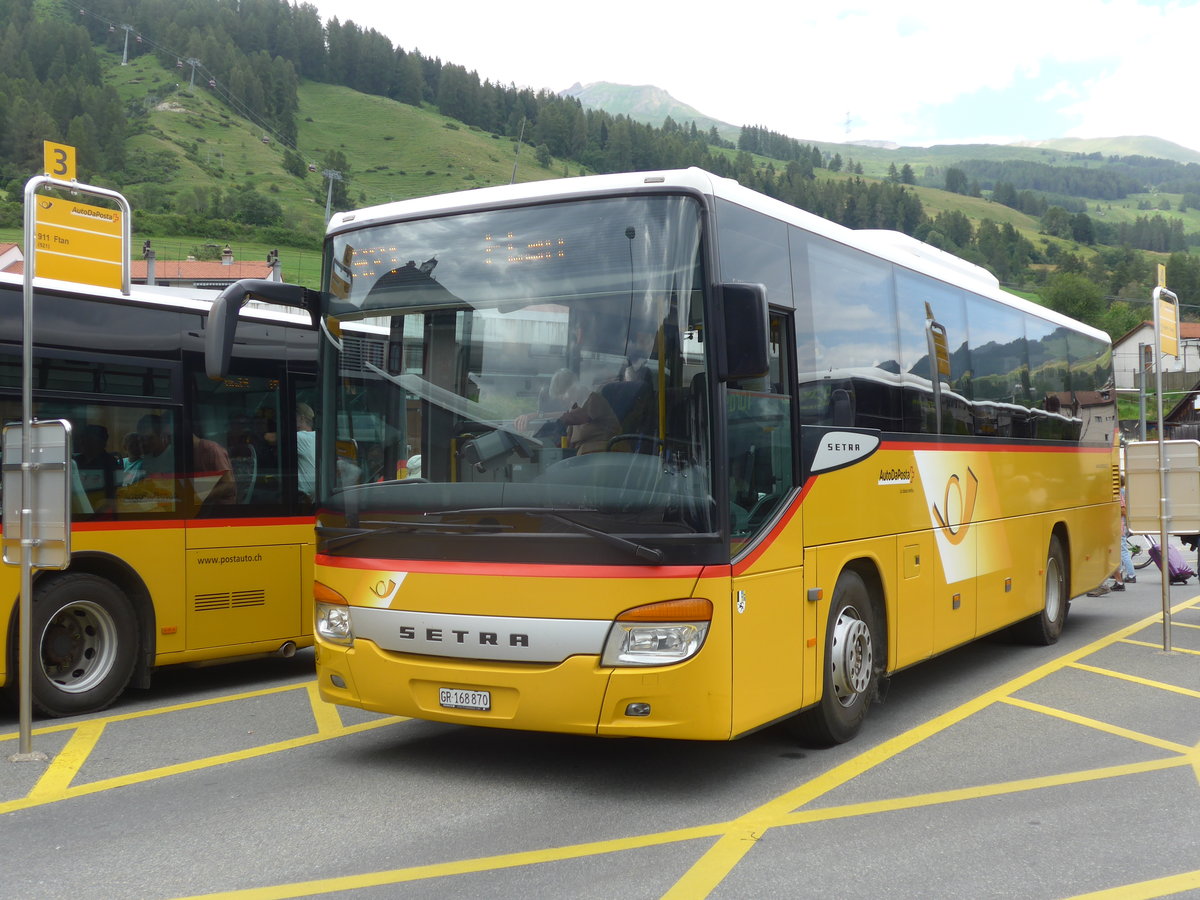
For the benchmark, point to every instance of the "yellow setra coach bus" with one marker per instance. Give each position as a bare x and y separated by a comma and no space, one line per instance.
653,454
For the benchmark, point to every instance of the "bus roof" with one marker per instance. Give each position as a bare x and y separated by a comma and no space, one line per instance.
893,246
190,299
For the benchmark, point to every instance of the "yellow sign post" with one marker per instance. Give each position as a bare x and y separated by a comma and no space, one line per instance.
1168,325
1166,335
70,241
78,242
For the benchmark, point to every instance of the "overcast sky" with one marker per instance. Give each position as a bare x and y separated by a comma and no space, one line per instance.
918,72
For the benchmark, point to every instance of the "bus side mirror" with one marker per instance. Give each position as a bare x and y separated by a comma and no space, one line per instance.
222,317
744,353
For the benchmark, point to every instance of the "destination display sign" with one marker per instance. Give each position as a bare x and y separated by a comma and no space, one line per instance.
78,242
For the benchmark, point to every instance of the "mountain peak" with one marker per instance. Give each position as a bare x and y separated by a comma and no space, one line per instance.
645,103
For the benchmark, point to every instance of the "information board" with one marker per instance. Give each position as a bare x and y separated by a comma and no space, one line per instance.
78,242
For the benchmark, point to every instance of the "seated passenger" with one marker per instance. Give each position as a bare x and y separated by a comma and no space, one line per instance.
97,467
211,461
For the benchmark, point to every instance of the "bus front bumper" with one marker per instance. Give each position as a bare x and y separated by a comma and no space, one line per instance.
576,696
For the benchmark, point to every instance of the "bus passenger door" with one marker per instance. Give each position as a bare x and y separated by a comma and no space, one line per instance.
769,629
245,548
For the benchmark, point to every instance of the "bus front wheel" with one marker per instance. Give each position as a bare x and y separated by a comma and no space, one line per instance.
850,676
84,644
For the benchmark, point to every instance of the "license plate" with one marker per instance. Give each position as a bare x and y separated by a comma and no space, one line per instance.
456,698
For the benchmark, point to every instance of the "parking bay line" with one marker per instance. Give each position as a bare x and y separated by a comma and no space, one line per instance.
55,783
737,836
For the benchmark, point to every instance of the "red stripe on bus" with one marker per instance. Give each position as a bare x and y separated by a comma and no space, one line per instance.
158,524
527,570
769,538
972,447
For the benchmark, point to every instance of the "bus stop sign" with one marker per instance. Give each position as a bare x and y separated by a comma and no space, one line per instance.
48,518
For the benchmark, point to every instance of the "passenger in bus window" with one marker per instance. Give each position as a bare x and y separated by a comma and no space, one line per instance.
132,460
154,434
213,478
306,451
97,467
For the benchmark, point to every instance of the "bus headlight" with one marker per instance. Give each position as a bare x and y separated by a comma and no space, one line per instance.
659,634
332,615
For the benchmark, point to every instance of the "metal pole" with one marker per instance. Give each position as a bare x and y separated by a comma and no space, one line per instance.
1142,372
1163,505
25,625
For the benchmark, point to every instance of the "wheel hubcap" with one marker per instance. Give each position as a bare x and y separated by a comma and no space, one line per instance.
78,647
1054,589
851,656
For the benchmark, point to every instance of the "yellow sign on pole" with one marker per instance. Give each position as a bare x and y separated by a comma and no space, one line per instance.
1168,328
58,160
78,242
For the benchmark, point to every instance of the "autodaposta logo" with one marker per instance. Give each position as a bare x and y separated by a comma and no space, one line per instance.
958,507
898,475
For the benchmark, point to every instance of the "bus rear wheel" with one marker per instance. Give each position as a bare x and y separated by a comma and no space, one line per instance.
85,644
1046,627
850,675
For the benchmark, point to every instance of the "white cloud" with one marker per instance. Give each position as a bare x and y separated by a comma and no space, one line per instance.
801,70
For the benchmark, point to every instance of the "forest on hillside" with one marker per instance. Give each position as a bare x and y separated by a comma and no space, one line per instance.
253,54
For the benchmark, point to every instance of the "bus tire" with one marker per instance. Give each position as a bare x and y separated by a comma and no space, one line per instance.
850,674
85,644
1046,627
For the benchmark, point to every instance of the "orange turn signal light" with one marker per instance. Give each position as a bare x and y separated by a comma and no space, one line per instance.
324,594
692,609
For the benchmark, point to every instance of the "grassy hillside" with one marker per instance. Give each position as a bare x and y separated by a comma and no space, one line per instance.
190,143
194,143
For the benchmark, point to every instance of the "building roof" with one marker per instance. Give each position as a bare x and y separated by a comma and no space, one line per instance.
1082,398
199,270
1187,331
184,270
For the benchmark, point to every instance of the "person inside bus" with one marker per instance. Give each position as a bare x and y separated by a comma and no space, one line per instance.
213,479
306,451
97,467
563,393
154,435
211,463
587,420
131,462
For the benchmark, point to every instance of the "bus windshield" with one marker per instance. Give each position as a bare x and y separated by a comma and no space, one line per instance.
537,370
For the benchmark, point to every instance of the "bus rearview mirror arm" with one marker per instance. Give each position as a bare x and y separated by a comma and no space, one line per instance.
223,316
742,351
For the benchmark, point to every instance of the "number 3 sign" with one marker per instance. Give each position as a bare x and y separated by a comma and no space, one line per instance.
59,161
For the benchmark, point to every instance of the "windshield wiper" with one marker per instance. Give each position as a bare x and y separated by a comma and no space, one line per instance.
348,536
641,551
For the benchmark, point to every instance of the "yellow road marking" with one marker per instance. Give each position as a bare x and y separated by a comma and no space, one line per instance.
734,837
1144,890
979,792
159,710
35,798
463,867
1159,646
326,715
1136,679
724,855
1097,724
67,763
